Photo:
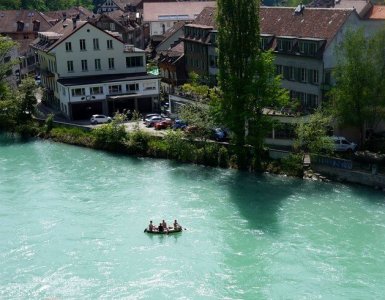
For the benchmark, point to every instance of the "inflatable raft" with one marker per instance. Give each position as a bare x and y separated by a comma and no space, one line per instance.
170,230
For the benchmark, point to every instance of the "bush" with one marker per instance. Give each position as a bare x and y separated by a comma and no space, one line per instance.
292,165
49,123
157,148
110,135
74,136
138,142
223,157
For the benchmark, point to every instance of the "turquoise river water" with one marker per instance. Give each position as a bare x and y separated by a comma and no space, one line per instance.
72,223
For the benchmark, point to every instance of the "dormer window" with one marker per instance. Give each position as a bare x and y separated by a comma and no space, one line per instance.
308,48
20,25
36,25
285,45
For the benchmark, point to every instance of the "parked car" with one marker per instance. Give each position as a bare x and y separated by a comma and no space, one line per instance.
164,124
147,116
179,124
341,144
150,122
99,119
219,134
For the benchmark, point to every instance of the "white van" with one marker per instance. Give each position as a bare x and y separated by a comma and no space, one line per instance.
342,144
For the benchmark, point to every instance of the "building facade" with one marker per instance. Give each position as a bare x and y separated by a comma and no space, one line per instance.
86,71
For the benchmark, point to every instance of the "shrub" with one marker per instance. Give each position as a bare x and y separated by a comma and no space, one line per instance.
157,148
49,123
292,165
138,142
74,136
223,157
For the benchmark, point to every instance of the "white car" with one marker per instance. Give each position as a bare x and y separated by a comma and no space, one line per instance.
342,144
99,119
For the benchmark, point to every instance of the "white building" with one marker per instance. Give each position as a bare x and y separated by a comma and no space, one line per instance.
86,70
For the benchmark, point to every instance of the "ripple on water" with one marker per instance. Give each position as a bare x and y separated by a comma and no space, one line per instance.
73,220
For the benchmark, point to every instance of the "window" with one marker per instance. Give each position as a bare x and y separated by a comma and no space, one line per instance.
78,92
97,65
68,46
70,66
134,61
132,87
111,63
96,44
213,61
303,75
149,86
278,69
313,74
84,65
82,45
112,26
291,73
109,44
308,48
284,45
115,89
96,90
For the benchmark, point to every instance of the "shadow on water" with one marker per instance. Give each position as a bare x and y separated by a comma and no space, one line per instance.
259,198
8,139
370,195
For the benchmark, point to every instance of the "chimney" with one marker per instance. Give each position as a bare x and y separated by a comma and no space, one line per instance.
74,20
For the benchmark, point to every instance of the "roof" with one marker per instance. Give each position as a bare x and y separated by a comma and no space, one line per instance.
361,6
377,12
318,23
9,19
174,10
171,32
206,17
62,30
104,79
314,23
83,13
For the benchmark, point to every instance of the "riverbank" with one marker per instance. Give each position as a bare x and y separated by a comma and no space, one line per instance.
116,137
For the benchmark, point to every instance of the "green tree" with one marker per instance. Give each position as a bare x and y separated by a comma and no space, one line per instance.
312,134
26,100
7,103
246,75
358,95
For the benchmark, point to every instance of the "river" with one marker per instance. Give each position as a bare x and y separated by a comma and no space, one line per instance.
72,223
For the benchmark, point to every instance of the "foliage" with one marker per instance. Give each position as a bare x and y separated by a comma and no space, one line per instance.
49,123
6,46
74,136
246,75
26,99
113,134
292,165
195,88
223,157
358,98
312,134
175,143
137,142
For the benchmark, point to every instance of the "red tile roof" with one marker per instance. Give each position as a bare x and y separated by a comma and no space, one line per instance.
320,23
9,19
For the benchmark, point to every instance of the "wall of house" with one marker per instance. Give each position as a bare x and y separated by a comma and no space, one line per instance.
146,88
89,32
311,90
160,27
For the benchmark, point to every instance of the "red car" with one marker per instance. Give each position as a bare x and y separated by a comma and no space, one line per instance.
164,124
